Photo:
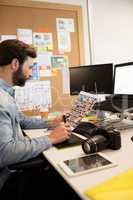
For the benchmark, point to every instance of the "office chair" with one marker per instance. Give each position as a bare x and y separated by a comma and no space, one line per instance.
20,169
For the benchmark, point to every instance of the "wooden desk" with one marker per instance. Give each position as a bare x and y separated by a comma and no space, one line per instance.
123,158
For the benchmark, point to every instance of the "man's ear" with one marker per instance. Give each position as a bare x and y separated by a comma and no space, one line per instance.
14,64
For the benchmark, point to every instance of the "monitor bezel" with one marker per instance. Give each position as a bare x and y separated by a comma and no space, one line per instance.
115,67
90,66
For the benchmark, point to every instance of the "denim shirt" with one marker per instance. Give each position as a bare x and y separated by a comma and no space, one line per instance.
14,146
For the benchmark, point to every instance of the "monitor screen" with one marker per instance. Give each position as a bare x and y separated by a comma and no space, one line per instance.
123,79
92,78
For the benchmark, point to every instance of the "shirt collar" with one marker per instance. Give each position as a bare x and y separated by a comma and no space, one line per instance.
6,87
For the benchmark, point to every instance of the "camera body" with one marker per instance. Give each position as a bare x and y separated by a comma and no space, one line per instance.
100,139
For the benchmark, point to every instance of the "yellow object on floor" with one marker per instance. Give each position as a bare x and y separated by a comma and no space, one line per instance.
119,187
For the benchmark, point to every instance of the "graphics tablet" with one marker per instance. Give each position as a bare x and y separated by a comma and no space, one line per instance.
72,141
86,164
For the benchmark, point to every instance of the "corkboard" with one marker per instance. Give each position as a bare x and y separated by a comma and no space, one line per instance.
34,15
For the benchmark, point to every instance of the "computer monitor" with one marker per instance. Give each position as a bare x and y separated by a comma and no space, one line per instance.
123,79
92,78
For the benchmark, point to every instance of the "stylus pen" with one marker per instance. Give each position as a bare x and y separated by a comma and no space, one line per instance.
64,118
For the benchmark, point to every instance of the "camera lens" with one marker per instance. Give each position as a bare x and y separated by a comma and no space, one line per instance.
94,144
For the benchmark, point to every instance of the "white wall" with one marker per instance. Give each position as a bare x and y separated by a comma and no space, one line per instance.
83,4
112,30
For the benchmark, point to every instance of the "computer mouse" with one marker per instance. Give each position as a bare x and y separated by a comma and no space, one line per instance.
132,138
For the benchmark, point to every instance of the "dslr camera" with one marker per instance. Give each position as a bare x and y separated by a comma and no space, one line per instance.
98,138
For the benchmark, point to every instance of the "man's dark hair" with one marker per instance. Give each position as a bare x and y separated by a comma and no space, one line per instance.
10,49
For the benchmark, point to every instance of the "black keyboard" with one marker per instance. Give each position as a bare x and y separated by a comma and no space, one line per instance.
120,96
114,105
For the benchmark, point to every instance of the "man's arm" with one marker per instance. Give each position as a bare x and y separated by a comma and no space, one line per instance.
31,123
14,147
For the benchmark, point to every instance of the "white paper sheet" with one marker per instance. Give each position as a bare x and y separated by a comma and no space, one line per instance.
82,105
64,41
65,24
66,80
43,41
44,58
7,37
35,94
25,35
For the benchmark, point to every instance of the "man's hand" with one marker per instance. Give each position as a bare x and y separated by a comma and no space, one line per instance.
56,121
60,134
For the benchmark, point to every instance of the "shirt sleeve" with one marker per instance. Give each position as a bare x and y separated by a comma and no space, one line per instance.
31,123
14,147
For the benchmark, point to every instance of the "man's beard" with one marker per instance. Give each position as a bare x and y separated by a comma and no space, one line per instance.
19,78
